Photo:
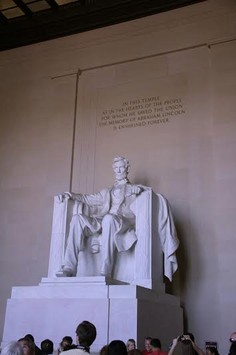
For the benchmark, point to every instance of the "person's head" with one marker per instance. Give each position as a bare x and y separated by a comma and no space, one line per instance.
155,344
30,337
232,337
12,348
191,336
28,346
147,344
120,167
66,343
47,346
130,344
103,350
211,350
117,347
86,333
184,347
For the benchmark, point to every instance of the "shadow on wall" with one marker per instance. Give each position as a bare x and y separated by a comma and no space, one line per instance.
188,256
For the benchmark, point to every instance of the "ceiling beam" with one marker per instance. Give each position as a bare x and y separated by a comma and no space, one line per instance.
3,19
79,17
23,7
53,4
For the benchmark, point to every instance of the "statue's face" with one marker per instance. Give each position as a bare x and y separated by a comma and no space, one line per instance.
120,170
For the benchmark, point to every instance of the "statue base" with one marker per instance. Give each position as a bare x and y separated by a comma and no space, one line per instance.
119,311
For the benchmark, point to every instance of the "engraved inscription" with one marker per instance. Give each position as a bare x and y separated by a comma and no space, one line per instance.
142,112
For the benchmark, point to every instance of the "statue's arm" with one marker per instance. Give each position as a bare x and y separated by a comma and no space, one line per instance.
136,189
88,199
70,196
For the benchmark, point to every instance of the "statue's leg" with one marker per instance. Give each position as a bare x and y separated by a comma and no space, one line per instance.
74,245
80,227
110,225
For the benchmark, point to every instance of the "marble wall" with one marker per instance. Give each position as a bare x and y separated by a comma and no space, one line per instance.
160,90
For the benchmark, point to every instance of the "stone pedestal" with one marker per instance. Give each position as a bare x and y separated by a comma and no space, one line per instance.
119,311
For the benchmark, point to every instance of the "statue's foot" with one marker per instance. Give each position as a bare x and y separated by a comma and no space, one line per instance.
65,272
103,273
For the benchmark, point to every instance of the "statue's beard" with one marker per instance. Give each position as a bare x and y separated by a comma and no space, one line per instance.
121,176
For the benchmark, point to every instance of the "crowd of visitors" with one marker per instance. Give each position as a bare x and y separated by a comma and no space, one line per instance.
86,334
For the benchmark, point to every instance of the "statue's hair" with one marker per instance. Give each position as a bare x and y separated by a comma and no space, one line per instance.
116,159
12,348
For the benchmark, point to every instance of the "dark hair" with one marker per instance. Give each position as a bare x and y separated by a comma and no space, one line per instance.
148,338
156,343
117,347
86,333
135,352
131,341
232,350
103,350
47,346
68,339
29,343
212,349
191,336
66,343
29,336
184,347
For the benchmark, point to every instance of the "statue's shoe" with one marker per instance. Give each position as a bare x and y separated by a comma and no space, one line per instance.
65,272
104,273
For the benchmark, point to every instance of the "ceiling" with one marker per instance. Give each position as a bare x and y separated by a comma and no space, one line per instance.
24,22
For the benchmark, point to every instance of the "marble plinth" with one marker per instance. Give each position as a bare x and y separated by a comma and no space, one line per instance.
56,306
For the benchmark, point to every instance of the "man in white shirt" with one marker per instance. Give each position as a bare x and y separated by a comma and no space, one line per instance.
86,334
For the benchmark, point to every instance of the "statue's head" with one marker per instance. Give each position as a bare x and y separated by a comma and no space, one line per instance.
121,167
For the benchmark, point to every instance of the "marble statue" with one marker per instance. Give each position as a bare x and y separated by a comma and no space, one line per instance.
108,220
107,212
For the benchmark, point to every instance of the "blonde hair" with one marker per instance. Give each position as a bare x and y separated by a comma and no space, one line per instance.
12,348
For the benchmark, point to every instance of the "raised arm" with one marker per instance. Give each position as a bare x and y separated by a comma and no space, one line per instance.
174,342
197,349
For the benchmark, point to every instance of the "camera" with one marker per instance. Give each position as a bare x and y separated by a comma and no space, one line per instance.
184,337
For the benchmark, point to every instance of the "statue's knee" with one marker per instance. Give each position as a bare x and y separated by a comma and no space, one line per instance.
108,220
77,222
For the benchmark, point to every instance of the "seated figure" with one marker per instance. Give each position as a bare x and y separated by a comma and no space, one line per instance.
107,224
107,212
